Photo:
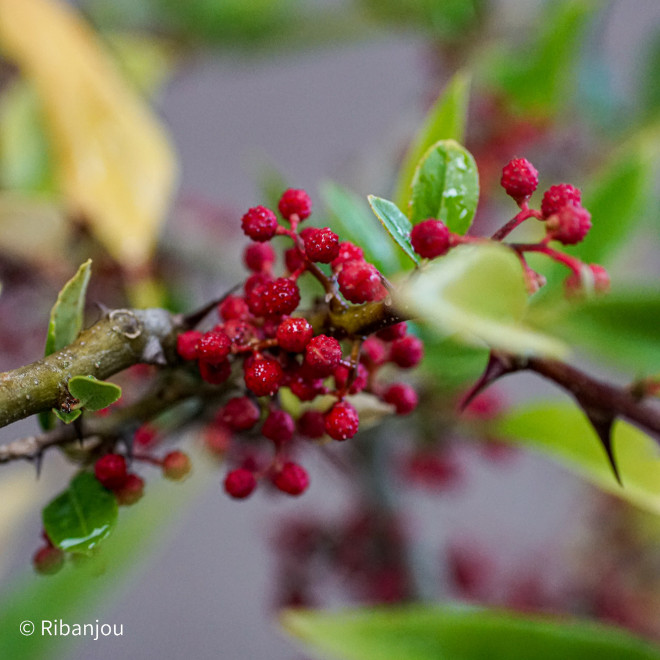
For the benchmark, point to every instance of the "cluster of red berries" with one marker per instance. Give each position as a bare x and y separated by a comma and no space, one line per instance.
277,350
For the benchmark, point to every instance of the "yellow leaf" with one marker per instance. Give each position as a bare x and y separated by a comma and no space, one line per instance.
114,160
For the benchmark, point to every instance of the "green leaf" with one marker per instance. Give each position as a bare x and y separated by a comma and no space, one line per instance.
446,186
82,516
434,633
445,121
477,293
621,328
66,316
353,220
563,432
67,417
396,223
538,79
93,394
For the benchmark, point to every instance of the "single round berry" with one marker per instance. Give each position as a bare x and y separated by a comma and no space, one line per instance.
311,425
145,435
407,352
263,376
341,421
555,197
430,238
217,438
131,492
294,259
281,296
214,347
291,479
306,387
260,224
186,344
110,470
347,252
259,257
402,397
214,374
344,374
233,308
295,202
240,483
322,245
48,560
569,225
239,332
576,283
322,355
360,282
373,351
255,281
293,334
239,413
176,466
278,427
393,332
519,179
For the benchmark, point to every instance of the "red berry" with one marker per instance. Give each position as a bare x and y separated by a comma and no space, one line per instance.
145,435
305,387
341,421
214,374
255,281
259,257
214,347
393,332
430,238
569,225
311,424
260,224
176,466
48,560
295,202
558,196
240,483
239,332
322,355
217,438
347,252
291,479
263,376
131,491
402,397
360,282
294,259
322,245
600,281
407,352
278,427
233,308
343,374
186,344
239,413
519,179
293,334
110,470
281,296
373,351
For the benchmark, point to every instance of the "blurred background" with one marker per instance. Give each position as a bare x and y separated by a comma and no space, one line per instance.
257,96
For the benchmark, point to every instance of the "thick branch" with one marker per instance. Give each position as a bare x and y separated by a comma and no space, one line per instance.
122,338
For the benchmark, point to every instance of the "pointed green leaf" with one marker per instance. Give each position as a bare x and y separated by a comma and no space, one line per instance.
353,221
445,121
477,293
396,223
563,432
93,394
445,186
66,316
82,516
67,417
460,633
